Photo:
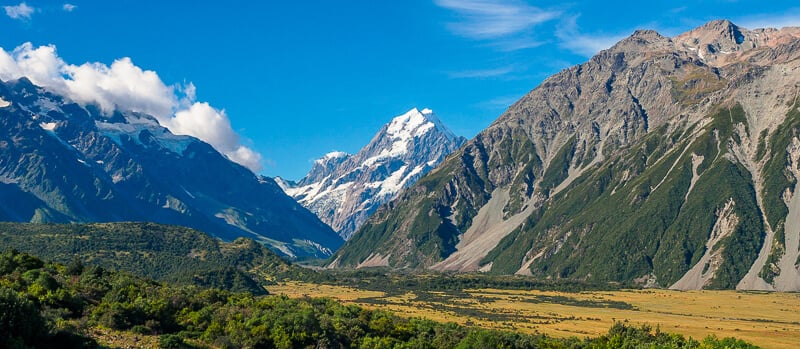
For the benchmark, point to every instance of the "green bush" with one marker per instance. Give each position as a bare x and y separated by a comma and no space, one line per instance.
21,322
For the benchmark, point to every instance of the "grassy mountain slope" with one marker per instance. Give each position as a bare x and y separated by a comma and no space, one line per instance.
669,162
162,252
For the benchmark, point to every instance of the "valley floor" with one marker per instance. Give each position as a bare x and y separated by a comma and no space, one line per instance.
770,320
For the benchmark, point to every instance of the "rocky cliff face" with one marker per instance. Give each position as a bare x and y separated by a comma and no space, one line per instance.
665,161
63,162
344,190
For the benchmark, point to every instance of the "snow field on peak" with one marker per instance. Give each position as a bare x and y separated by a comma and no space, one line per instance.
332,155
397,180
174,143
347,188
404,125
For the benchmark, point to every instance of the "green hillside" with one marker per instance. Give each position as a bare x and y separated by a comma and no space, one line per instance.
161,252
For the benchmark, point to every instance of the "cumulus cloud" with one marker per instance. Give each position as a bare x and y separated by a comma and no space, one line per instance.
126,87
69,7
21,11
213,126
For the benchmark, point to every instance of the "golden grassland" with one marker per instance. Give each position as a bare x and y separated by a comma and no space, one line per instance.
770,320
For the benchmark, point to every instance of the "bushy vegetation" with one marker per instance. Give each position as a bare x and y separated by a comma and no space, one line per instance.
778,179
50,305
394,282
558,170
161,252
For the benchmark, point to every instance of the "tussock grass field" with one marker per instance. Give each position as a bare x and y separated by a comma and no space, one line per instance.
770,320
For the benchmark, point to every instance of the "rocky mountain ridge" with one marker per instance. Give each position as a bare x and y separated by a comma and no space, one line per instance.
65,162
668,162
343,189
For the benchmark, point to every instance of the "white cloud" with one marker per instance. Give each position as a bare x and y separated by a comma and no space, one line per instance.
127,87
587,45
69,7
482,73
501,103
508,23
21,11
213,126
122,86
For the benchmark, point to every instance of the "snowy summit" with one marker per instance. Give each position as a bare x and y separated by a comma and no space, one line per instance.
343,190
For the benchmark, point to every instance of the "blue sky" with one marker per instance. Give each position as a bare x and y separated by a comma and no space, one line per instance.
297,79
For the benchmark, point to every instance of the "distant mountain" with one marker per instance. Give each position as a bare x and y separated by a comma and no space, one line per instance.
669,162
64,162
343,190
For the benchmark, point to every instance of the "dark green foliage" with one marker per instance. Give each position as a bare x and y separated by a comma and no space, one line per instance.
776,176
161,252
187,316
171,341
624,336
762,144
28,287
559,166
522,149
777,179
21,323
632,216
688,234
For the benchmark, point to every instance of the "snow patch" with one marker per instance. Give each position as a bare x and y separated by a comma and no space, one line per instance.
48,126
393,183
174,143
332,155
281,183
4,103
47,105
401,126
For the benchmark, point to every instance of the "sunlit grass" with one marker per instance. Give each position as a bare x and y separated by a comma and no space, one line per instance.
770,320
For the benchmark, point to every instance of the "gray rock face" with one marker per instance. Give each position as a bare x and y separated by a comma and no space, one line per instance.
63,162
663,161
343,190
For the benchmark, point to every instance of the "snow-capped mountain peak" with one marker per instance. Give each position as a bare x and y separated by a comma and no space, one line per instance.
415,123
343,189
332,155
73,163
412,123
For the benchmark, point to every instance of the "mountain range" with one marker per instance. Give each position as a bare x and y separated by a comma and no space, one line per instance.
344,190
65,162
662,161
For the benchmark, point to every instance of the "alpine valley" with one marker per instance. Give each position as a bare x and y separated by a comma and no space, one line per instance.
666,162
65,162
343,189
